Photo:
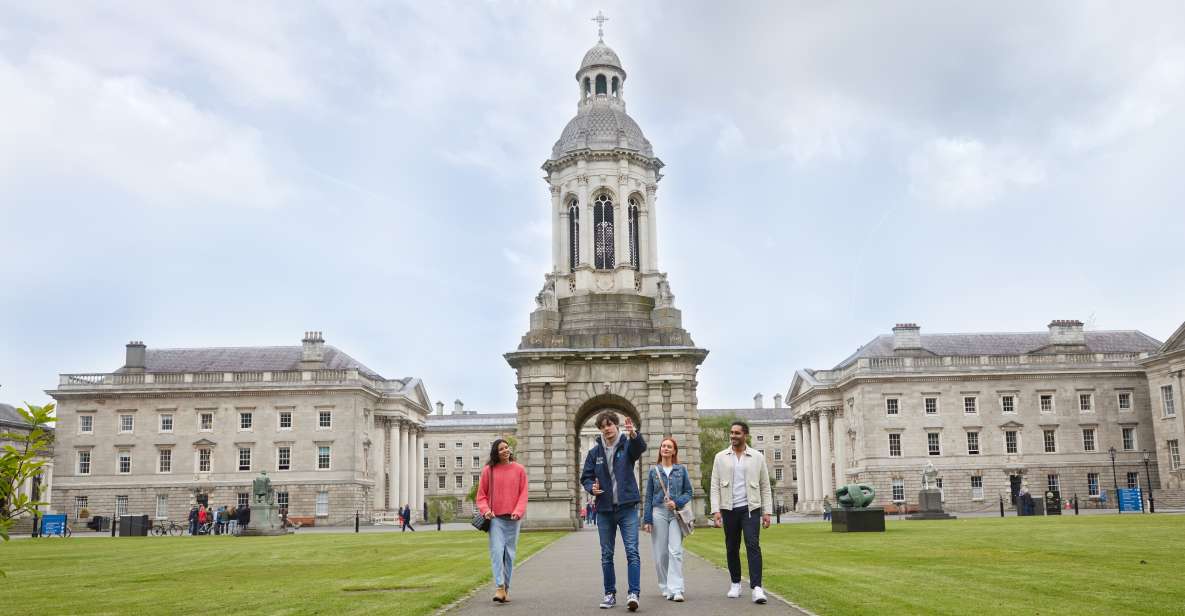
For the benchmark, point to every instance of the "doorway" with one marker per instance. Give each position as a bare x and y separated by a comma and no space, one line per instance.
1014,483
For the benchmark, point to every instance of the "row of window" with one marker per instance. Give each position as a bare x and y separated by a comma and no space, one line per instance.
603,237
127,422
1012,442
203,462
1052,484
162,503
460,445
777,438
1009,403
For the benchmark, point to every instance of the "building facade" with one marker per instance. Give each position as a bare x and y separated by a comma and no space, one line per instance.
993,412
174,427
455,448
1166,383
771,431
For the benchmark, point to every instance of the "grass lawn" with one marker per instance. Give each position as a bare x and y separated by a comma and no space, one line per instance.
1128,564
404,573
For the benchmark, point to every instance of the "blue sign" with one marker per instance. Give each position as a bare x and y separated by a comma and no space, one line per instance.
1130,499
53,524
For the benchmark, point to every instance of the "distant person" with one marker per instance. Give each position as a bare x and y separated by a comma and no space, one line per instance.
741,500
668,487
244,515
502,499
438,522
232,520
826,509
193,520
203,519
608,475
406,515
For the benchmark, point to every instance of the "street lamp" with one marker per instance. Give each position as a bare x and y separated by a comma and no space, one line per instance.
1148,478
1115,479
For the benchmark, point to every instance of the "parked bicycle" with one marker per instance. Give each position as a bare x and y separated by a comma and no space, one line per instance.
167,527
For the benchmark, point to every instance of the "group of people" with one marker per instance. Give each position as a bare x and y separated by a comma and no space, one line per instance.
231,520
741,500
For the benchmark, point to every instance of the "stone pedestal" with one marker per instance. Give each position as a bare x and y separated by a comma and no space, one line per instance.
265,521
930,507
865,520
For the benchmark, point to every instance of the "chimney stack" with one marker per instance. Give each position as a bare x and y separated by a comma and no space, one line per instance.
313,354
458,407
907,337
1062,331
758,402
136,356
777,401
439,407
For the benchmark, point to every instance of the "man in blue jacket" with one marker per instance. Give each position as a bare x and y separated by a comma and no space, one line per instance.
608,475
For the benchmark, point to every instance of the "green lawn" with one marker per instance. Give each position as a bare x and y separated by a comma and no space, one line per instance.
367,573
1128,564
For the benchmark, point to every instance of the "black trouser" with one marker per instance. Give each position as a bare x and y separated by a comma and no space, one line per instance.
738,522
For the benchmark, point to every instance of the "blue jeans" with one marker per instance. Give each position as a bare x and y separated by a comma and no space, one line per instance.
607,524
503,541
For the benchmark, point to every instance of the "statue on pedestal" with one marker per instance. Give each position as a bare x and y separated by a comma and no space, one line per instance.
264,520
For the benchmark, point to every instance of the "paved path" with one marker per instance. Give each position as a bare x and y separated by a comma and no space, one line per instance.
565,578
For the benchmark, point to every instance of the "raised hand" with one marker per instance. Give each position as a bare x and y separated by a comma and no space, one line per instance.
629,426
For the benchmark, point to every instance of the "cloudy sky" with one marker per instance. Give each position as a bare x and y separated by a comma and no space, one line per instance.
233,174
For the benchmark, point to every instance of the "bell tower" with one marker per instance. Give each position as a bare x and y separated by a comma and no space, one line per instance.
605,332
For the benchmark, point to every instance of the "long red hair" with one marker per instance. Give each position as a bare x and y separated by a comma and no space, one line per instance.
674,456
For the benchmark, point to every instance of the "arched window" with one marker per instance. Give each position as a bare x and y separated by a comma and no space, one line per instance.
573,235
601,86
614,87
603,231
587,87
635,256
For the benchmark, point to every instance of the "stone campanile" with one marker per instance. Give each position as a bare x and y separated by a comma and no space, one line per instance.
605,333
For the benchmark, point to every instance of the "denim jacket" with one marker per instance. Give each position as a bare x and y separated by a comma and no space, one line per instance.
679,486
596,469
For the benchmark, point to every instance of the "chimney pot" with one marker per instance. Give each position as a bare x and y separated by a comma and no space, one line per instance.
136,357
313,350
758,402
439,407
1066,331
907,336
777,401
458,406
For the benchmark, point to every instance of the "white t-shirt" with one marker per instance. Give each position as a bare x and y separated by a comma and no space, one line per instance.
740,496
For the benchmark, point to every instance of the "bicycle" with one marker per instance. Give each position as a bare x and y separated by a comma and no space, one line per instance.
167,527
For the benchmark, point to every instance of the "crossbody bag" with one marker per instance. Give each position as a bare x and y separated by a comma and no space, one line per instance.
479,519
684,516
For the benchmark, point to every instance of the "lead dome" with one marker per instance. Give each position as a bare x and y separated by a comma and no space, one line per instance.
601,121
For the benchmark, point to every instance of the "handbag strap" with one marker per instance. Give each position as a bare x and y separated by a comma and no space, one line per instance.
491,490
662,483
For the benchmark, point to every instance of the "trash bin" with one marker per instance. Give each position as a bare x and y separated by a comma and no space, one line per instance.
133,526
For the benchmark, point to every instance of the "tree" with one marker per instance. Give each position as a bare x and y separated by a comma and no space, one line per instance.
713,438
19,463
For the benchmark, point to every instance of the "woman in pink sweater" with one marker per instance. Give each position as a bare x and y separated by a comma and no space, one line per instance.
502,499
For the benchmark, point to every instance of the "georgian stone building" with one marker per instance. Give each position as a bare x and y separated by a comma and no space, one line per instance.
456,447
605,333
177,426
992,412
1165,372
771,432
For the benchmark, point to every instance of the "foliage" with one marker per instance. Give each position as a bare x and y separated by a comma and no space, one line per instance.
444,506
713,438
1054,565
19,463
315,573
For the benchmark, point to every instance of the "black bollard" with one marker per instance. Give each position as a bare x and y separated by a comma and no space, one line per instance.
355,521
1075,504
1001,506
112,526
438,522
35,533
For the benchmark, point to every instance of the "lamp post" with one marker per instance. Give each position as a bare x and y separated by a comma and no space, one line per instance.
1115,479
1148,478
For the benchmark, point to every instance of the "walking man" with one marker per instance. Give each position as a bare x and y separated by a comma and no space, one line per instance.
406,515
741,500
608,475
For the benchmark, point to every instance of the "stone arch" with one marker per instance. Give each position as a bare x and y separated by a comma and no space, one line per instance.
612,396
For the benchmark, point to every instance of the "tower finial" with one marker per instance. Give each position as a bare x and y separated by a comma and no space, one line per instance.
600,19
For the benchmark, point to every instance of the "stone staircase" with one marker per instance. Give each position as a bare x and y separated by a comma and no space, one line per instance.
1169,499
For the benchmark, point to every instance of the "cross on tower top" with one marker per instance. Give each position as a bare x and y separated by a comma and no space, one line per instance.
600,19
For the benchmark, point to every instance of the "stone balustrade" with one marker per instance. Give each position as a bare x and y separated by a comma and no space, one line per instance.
961,363
236,379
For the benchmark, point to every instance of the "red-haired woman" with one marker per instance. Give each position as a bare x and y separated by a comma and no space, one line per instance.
667,489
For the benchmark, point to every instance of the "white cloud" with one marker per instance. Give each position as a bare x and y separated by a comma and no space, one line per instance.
126,132
962,173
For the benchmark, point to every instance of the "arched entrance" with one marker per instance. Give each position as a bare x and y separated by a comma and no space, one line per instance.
585,435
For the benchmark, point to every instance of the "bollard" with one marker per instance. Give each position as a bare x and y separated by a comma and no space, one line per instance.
1001,506
112,526
35,533
1075,504
355,521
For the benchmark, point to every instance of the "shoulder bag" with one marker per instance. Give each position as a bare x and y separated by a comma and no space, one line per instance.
684,516
479,519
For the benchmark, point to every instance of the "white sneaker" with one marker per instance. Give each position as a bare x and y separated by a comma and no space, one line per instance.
677,597
734,591
758,595
631,602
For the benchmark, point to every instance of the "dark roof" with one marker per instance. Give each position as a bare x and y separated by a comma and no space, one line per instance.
1008,344
10,417
474,420
750,414
244,359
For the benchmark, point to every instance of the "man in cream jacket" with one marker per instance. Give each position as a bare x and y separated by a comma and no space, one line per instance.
741,500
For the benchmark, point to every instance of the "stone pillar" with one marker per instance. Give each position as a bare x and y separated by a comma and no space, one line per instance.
808,464
825,455
405,466
841,449
396,459
816,458
380,462
651,251
419,461
621,231
586,223
564,241
557,234
798,465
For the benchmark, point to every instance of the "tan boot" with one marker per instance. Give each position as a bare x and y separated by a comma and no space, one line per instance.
500,595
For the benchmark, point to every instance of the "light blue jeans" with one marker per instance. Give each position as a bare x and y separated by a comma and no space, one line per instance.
667,540
503,541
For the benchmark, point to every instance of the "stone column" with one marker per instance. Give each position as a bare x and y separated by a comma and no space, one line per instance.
396,466
816,458
651,229
798,465
808,464
380,462
841,450
825,454
420,468
564,241
405,467
586,223
557,234
621,231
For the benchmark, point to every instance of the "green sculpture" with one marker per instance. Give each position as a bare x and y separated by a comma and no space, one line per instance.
854,496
